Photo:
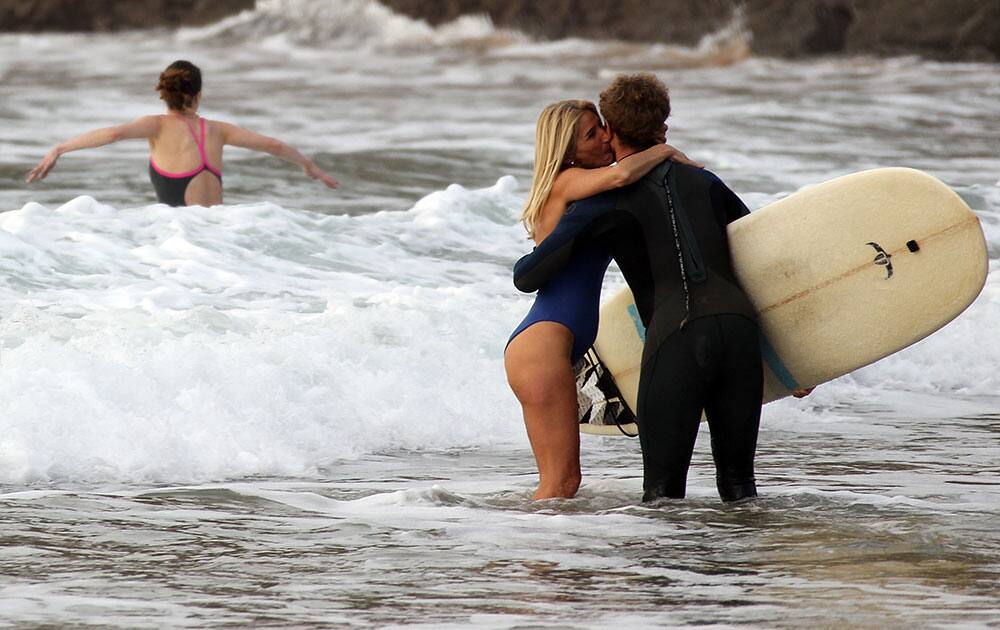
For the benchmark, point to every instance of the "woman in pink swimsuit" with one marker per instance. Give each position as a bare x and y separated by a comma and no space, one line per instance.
185,150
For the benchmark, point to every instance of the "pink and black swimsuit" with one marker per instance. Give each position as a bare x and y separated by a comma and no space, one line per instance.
170,187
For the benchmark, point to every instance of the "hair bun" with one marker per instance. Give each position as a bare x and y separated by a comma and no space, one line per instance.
175,81
179,84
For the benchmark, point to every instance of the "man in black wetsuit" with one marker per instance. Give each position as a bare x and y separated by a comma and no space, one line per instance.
668,235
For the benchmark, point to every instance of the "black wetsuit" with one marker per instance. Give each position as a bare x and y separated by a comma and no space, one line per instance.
702,348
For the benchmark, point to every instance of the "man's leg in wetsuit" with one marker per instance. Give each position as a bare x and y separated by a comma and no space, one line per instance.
671,387
733,405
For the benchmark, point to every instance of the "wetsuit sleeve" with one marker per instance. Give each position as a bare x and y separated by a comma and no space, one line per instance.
578,226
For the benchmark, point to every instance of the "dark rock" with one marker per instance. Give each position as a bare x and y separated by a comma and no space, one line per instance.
952,29
676,21
939,29
112,15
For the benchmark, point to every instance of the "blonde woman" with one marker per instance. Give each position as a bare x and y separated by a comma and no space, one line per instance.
573,160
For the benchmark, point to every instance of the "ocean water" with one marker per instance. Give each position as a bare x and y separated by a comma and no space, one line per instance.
291,410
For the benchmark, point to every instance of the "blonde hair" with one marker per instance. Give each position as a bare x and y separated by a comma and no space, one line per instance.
555,139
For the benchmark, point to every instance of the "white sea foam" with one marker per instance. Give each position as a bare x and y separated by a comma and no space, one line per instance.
201,343
190,344
348,23
299,27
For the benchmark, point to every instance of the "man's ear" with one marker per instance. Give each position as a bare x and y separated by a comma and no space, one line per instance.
609,129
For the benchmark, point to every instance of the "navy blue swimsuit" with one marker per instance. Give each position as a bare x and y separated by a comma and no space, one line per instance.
573,298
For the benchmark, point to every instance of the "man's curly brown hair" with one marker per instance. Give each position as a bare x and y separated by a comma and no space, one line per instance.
636,105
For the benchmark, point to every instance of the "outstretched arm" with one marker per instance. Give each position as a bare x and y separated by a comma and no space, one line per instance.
239,137
144,127
579,183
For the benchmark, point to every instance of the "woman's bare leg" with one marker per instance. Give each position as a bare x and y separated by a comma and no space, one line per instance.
539,373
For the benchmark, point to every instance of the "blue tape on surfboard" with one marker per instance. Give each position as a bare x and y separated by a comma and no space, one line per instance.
774,362
639,328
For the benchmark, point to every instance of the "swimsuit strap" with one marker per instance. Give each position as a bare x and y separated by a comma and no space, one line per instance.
194,134
201,152
201,147
201,143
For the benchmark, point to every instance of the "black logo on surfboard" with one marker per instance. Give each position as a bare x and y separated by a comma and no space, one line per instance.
882,258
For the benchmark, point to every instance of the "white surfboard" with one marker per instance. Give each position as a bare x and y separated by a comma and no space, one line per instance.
842,274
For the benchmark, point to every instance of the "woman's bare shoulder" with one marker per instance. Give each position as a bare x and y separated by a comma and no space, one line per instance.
221,127
566,176
220,124
149,119
552,210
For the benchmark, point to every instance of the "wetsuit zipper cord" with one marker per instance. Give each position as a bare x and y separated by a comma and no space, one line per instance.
680,254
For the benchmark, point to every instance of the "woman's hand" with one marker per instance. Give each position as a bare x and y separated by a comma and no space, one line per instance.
46,165
316,173
677,155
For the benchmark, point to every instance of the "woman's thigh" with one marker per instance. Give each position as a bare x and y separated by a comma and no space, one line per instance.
537,362
539,373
